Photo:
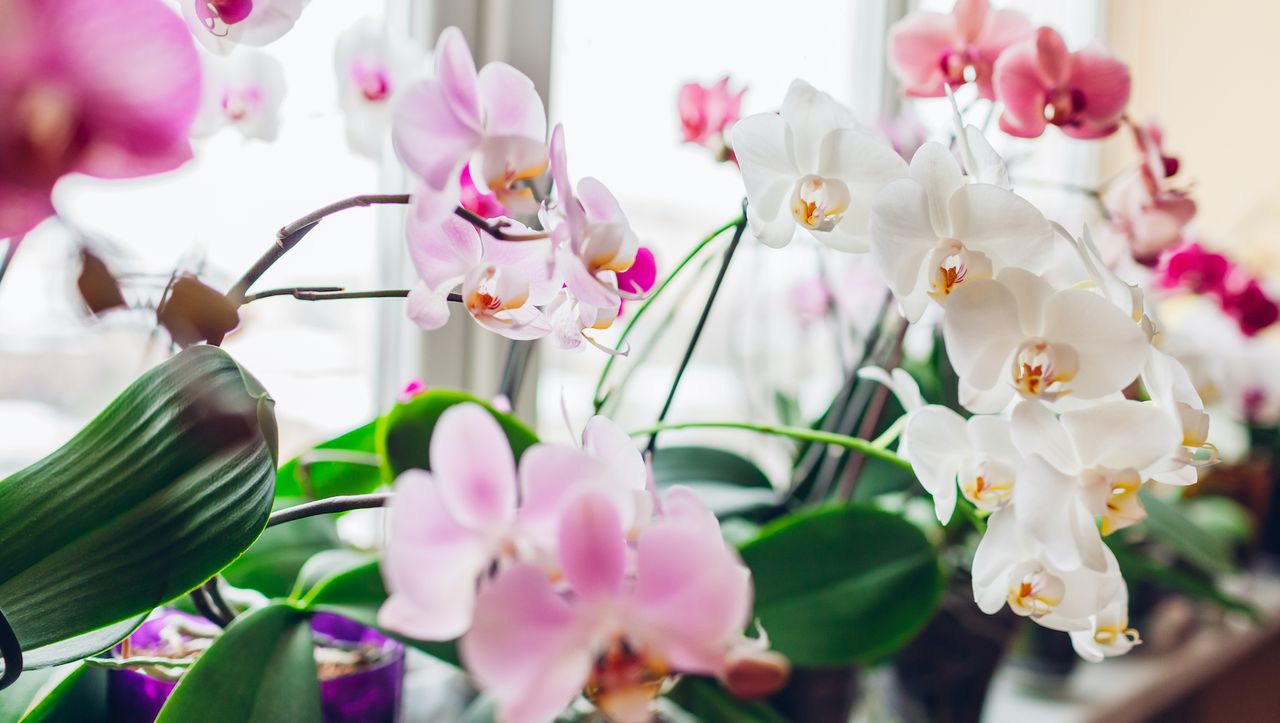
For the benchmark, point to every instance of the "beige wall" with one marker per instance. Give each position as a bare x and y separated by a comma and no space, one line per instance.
1210,70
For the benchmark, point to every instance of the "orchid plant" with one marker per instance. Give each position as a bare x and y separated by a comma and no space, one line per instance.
606,575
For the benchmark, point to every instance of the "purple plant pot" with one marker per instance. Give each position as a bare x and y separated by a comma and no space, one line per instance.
371,695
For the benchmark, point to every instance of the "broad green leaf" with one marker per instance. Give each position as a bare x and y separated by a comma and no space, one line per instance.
345,465
19,697
261,670
357,594
80,696
1168,525
842,584
161,491
706,465
1138,567
324,565
71,649
271,565
404,434
706,700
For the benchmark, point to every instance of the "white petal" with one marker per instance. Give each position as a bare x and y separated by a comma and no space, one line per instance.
768,171
939,446
934,168
981,331
901,235
1002,225
1036,430
1111,348
1121,435
811,114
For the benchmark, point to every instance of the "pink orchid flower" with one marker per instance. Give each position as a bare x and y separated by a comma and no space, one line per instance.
1041,82
1144,208
493,120
1194,268
622,620
221,25
929,51
594,241
243,91
372,67
474,509
412,389
503,282
640,278
103,88
707,112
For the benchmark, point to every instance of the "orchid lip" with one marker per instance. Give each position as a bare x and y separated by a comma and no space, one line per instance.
818,203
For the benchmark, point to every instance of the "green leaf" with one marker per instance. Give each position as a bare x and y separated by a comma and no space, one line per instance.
17,698
1169,526
404,434
706,700
79,697
357,594
161,491
271,565
71,649
345,465
261,670
706,465
324,565
842,584
1138,567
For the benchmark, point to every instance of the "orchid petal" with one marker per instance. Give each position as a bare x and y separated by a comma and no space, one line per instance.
473,466
511,103
592,546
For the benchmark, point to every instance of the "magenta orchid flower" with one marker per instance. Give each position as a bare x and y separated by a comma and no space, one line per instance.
614,629
103,88
479,202
1041,82
640,278
707,112
221,25
492,120
929,51
243,91
474,509
502,282
594,242
1195,268
1246,302
372,67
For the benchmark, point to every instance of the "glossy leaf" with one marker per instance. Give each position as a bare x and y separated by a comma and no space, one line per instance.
161,491
357,594
404,434
261,670
71,649
727,483
1168,525
271,565
842,584
706,700
1137,567
345,465
80,696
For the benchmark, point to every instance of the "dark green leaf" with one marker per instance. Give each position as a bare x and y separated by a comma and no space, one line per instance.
707,700
80,697
357,594
404,434
261,670
66,651
271,565
706,465
1137,567
842,584
324,565
1170,527
345,465
157,494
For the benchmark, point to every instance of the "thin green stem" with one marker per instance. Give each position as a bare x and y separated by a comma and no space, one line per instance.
644,308
803,434
893,432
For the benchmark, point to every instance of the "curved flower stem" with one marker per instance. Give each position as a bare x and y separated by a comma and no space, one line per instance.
702,322
12,650
319,214
206,608
598,399
331,293
328,506
225,613
496,229
803,434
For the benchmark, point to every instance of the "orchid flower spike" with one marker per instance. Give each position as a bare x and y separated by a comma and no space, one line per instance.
492,121
104,88
812,167
929,52
503,282
221,25
977,453
244,92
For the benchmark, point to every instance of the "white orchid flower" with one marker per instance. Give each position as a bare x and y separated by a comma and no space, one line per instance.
1008,568
1110,634
812,167
977,454
932,232
1015,333
1081,465
372,67
244,92
1170,388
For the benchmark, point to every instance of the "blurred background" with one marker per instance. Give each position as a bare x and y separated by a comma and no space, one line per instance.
611,72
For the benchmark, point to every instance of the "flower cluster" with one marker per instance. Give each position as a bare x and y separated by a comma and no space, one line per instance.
479,138
1053,451
565,574
1191,267
1031,72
